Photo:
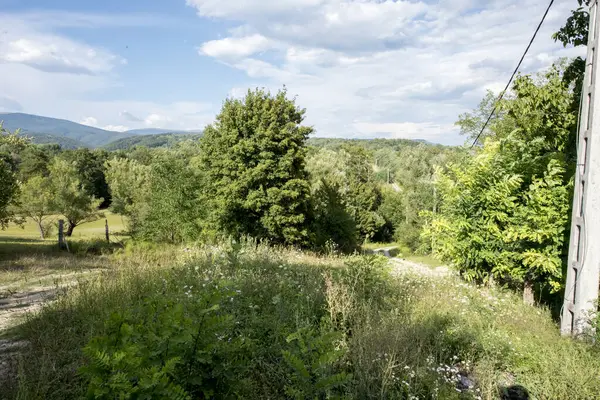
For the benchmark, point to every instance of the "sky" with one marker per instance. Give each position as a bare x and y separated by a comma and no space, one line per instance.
361,68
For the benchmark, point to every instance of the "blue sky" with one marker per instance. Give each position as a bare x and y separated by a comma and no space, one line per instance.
361,68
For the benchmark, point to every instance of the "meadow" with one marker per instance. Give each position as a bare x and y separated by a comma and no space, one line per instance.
244,320
88,230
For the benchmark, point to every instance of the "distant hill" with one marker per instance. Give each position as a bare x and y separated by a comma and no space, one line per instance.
158,131
38,126
373,144
62,141
153,140
70,134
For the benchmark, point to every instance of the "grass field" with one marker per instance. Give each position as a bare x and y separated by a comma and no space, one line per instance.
248,321
27,262
88,230
241,320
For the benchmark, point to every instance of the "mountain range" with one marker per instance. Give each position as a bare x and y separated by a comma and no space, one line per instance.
70,134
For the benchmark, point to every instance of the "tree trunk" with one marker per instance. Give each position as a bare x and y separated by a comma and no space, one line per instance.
70,228
528,295
41,228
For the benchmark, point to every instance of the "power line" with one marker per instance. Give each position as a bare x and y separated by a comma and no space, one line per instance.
513,74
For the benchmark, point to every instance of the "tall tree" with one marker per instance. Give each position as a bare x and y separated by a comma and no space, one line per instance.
505,212
10,145
33,161
253,157
36,201
575,33
90,167
71,199
172,211
349,172
128,182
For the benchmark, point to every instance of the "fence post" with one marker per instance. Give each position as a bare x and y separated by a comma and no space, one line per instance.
106,230
61,234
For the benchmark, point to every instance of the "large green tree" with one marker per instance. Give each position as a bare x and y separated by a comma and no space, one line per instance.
10,146
253,158
349,172
36,201
575,33
169,208
90,167
505,212
70,197
128,182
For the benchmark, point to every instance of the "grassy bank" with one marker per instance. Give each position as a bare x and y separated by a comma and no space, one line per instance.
247,321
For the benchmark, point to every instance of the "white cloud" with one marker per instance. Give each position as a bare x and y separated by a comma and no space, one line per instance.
157,120
51,53
240,9
115,128
383,67
235,47
90,121
406,130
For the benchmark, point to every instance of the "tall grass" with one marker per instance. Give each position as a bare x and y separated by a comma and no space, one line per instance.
249,321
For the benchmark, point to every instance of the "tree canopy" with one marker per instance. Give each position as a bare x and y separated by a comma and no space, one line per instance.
253,160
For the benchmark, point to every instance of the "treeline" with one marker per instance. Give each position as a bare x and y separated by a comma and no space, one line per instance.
253,173
151,141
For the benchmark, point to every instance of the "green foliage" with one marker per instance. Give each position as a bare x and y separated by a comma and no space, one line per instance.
62,142
253,158
36,201
344,181
33,161
504,212
10,145
333,227
575,33
575,30
278,323
128,184
165,349
471,123
151,141
171,209
393,211
313,358
90,167
70,197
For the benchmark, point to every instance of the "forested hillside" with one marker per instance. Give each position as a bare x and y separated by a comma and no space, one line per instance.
36,126
62,141
151,140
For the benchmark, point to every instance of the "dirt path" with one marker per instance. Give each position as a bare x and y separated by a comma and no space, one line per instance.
13,308
19,299
22,297
401,266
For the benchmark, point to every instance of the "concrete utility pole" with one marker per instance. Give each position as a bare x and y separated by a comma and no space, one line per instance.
583,274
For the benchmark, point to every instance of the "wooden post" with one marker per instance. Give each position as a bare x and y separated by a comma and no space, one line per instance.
61,234
106,230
